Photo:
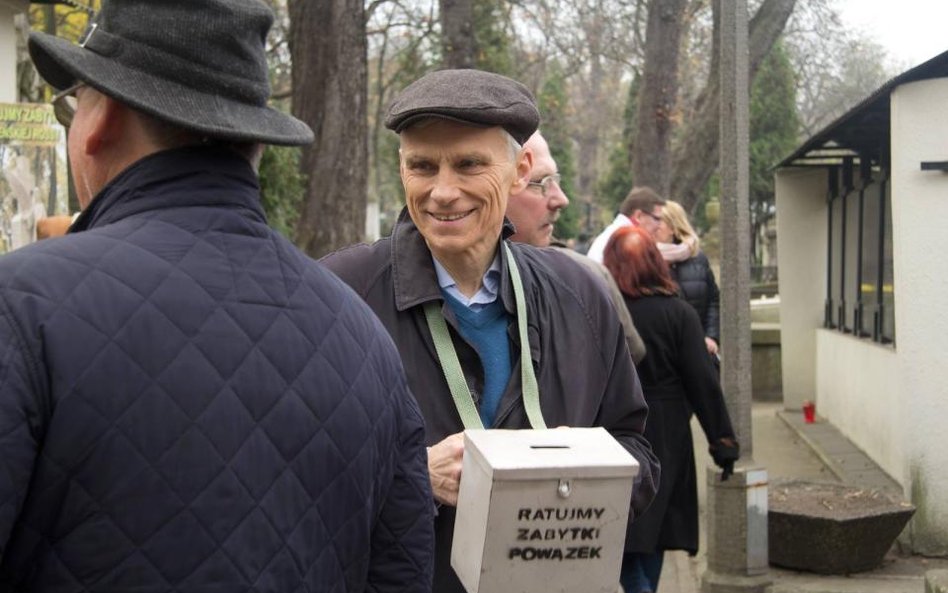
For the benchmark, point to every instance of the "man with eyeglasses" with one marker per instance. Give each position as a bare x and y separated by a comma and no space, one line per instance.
534,212
493,333
641,208
187,401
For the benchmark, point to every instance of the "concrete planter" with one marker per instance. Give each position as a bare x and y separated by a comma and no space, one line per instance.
832,528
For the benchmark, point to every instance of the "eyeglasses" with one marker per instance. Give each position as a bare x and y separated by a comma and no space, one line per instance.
546,183
64,104
655,218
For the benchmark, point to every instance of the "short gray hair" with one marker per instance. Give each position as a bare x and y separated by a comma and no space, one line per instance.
513,146
168,135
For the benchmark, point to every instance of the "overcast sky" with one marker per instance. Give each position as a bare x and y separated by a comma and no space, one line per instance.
911,30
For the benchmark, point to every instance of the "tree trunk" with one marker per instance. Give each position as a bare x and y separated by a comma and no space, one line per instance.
590,133
696,158
654,119
457,33
328,48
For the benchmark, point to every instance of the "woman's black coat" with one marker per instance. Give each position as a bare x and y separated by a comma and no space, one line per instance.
678,379
698,287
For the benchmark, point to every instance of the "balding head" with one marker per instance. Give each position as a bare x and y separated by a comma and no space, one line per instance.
534,210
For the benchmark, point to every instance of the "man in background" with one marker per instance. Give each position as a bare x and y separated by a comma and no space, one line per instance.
188,402
641,208
534,212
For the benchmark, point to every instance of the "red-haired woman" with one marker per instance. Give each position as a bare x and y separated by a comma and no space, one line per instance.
678,379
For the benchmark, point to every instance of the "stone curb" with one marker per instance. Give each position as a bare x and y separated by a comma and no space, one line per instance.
865,471
936,581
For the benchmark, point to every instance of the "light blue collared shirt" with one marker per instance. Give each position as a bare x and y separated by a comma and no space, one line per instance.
487,294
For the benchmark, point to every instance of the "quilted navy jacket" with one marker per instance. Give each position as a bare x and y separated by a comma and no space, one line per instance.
188,403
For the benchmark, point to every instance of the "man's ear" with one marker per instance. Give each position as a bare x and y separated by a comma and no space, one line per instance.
106,121
524,168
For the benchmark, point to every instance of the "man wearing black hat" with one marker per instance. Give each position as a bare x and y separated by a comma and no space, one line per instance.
187,402
492,333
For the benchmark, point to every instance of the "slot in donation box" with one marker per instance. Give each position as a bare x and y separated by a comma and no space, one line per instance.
542,511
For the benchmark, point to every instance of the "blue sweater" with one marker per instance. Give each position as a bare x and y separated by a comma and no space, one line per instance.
486,330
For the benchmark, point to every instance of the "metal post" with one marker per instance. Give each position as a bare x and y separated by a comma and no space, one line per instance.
737,509
735,219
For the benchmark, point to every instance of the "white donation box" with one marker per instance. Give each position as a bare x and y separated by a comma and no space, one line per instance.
542,511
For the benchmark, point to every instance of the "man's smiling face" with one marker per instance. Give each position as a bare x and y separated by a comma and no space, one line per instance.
457,180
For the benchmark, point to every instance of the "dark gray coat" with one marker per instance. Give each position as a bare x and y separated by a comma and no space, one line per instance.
583,367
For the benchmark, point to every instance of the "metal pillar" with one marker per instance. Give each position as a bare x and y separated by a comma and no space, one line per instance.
737,509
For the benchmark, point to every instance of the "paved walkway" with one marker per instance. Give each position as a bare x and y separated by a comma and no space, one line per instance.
789,448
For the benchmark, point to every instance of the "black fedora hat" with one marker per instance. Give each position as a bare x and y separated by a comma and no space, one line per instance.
199,64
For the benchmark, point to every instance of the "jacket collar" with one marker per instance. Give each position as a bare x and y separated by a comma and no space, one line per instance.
415,279
181,177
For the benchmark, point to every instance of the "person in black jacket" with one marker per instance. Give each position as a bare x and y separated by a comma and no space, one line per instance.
691,270
187,402
678,379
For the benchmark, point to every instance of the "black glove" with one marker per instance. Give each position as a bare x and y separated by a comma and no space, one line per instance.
725,452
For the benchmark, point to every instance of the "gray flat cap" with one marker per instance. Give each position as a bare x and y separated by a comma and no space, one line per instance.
467,96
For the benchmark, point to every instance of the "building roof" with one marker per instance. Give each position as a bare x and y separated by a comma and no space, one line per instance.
863,131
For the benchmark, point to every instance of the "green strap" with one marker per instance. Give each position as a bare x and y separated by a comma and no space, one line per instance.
451,366
528,380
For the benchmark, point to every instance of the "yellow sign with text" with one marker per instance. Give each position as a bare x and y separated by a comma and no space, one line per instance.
32,124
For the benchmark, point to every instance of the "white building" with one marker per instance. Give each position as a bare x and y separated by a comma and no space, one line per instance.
862,210
8,10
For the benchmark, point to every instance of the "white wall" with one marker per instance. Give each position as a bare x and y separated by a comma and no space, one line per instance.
919,217
859,392
801,253
8,9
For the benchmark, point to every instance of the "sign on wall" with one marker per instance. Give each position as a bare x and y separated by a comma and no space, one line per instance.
32,171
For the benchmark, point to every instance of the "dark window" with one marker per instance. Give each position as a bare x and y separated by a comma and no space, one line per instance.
851,265
836,261
888,287
860,295
869,282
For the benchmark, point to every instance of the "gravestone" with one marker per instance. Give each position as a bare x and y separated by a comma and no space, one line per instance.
831,528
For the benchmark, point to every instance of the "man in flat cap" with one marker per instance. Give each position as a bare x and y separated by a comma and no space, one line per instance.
187,402
492,333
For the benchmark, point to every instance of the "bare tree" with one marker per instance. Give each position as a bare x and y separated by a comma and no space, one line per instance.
695,157
835,67
278,52
597,43
457,33
328,46
400,36
656,108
